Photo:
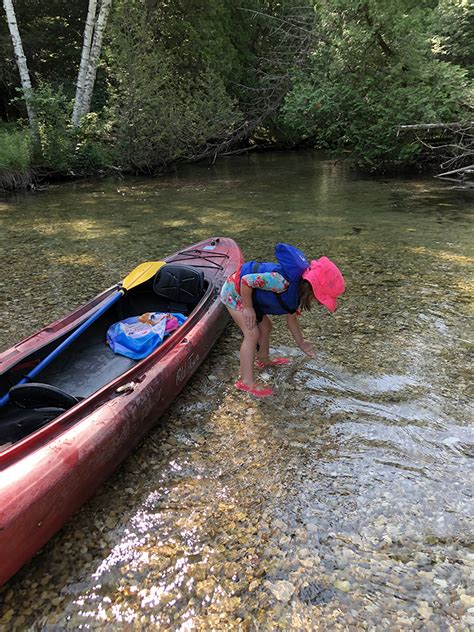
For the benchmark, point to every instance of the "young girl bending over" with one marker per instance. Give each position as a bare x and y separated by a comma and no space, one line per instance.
257,290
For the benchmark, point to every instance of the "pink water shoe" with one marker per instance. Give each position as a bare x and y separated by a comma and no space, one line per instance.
254,389
273,362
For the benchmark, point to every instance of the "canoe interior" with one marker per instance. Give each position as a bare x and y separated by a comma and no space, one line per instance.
88,364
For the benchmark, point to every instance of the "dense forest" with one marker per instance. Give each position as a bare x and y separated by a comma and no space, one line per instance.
386,84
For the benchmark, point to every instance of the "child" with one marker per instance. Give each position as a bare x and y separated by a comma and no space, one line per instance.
259,289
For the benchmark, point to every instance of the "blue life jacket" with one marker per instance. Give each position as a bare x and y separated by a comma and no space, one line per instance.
291,265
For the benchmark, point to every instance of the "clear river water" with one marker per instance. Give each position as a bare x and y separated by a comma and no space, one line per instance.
345,501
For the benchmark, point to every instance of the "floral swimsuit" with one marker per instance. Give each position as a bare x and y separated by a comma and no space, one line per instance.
270,281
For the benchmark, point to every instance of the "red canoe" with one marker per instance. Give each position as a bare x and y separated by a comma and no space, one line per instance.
54,453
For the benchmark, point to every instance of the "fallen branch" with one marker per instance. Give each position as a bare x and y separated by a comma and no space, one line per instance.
462,170
239,151
450,126
452,144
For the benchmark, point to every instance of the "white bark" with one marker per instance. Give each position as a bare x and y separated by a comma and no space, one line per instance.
94,56
21,62
85,58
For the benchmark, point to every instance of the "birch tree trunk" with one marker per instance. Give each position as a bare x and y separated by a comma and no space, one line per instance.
94,57
21,63
85,58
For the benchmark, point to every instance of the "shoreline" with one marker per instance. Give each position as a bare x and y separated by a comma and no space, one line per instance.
31,179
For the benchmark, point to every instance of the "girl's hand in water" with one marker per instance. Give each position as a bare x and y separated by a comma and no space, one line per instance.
307,347
249,317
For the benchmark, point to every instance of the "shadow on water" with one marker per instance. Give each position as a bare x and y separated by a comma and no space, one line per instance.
345,500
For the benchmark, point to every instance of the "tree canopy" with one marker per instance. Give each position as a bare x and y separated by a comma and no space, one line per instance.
185,79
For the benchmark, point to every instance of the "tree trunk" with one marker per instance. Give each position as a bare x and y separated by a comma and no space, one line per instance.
85,58
94,56
21,63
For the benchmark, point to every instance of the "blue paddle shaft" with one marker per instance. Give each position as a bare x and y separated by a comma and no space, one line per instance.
54,354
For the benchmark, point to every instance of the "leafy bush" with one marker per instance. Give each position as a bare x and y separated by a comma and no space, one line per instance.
53,111
372,70
92,149
63,147
15,149
160,111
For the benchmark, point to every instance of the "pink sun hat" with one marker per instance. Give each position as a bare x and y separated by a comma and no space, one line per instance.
326,280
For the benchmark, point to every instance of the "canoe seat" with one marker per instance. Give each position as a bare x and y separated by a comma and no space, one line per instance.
34,405
37,396
178,288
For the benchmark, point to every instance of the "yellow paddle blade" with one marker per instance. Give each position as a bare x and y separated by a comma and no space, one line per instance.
142,273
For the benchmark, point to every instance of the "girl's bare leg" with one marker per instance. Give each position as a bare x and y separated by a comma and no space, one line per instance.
247,348
265,329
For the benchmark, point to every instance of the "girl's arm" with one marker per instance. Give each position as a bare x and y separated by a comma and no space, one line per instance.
294,327
247,304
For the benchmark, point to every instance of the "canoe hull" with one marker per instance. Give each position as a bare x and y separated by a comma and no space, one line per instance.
40,491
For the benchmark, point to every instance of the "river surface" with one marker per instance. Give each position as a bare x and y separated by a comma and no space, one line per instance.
345,501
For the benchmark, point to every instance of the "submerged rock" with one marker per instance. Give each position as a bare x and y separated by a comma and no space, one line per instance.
281,590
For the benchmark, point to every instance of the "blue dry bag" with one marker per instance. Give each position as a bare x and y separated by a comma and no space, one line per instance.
136,339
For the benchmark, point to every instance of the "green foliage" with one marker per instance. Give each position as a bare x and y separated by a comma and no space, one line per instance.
92,149
373,70
177,78
62,147
453,28
163,105
15,149
52,109
51,35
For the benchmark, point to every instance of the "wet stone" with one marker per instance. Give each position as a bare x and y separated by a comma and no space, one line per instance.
281,590
315,594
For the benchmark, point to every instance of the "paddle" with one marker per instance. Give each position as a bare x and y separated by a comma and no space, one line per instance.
142,273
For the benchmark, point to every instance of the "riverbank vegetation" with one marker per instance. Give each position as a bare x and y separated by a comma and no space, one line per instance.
194,79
